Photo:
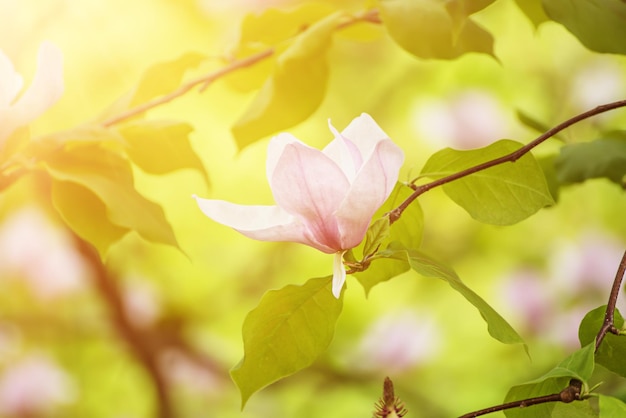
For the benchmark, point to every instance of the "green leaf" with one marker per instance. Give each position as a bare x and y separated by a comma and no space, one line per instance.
426,29
165,77
387,265
108,176
548,165
409,229
270,29
295,89
613,348
579,365
376,234
600,25
287,332
604,157
500,195
497,326
533,11
160,147
86,215
611,407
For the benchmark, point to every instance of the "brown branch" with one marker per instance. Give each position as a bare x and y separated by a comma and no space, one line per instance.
609,317
368,16
567,395
395,214
140,347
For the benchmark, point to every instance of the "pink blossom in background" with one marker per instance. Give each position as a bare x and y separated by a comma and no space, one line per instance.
34,250
325,199
398,341
34,385
17,110
141,302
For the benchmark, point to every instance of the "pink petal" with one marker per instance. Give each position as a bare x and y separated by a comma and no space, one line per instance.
344,153
365,133
275,151
339,274
368,192
264,223
46,88
310,186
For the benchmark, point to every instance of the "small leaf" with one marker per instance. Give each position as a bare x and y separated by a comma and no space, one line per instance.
387,265
598,24
160,147
613,348
287,332
426,29
108,176
533,11
86,215
611,407
579,365
294,90
604,157
164,77
376,234
500,195
497,326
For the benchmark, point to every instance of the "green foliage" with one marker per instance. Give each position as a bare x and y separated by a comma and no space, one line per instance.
376,234
295,88
611,407
501,195
106,175
406,232
611,352
496,325
149,141
435,29
579,365
533,10
604,157
287,332
596,23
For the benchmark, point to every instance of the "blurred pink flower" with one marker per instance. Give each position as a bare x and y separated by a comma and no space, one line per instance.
398,341
44,91
33,249
326,199
34,385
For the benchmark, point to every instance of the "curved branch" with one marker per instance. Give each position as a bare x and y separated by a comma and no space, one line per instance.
609,325
395,214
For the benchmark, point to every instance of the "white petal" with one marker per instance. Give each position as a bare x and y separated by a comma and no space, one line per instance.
263,223
365,133
339,274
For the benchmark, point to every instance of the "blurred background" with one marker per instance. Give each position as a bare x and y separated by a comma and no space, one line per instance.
61,350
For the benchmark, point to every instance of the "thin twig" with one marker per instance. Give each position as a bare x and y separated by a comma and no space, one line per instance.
395,214
368,16
139,346
609,317
567,395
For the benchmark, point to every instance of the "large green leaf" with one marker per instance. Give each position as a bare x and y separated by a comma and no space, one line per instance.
500,195
294,90
271,28
611,407
612,351
579,365
109,177
289,329
160,147
600,25
604,157
388,264
497,326
435,29
533,10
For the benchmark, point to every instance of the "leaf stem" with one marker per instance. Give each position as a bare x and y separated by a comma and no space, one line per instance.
570,394
367,16
609,316
395,214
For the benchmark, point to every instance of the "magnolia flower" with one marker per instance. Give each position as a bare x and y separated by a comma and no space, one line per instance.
325,199
44,91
